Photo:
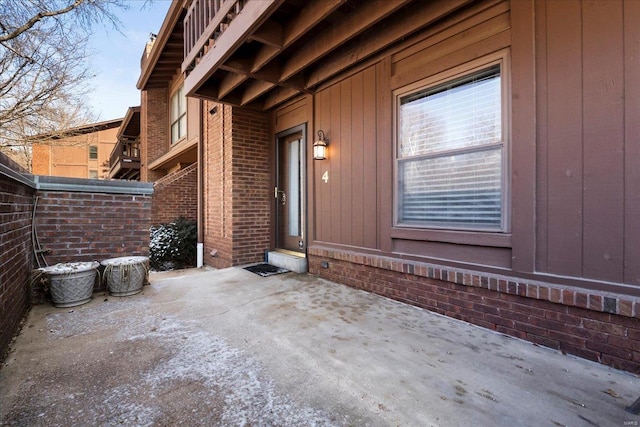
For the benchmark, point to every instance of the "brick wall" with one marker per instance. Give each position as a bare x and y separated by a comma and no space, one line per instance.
154,132
217,187
594,325
252,190
176,195
16,254
89,220
237,188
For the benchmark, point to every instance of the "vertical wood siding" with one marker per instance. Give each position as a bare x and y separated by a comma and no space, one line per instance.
346,205
585,162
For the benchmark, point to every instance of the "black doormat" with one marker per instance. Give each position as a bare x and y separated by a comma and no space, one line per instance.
266,270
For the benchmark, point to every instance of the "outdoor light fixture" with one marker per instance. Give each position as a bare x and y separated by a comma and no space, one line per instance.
320,147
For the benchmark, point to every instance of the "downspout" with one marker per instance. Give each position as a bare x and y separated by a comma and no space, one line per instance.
200,189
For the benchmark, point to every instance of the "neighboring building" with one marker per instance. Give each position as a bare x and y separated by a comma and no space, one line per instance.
81,152
482,155
124,160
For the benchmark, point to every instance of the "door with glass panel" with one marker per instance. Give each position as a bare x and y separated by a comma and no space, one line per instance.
289,193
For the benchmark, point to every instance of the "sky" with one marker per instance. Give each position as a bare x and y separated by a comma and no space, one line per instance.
116,58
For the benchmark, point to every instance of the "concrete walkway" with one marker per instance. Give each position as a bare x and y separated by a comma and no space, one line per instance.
229,348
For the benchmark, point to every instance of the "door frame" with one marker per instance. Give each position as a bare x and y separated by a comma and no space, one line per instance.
301,128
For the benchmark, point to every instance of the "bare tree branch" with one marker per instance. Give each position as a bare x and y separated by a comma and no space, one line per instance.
44,67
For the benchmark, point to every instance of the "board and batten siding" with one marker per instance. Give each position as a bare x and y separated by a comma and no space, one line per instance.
588,139
574,146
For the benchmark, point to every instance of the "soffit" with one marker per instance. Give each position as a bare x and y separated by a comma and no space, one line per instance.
274,50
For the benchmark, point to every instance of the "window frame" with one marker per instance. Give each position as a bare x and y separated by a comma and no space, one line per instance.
453,232
179,91
91,148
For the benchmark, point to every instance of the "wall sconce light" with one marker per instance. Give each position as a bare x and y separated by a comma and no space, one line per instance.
320,147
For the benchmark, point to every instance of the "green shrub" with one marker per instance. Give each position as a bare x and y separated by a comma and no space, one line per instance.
173,245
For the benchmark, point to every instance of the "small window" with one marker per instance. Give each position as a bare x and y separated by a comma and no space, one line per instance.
93,152
93,174
450,154
178,115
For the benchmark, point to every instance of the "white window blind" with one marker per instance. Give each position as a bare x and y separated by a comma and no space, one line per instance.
450,154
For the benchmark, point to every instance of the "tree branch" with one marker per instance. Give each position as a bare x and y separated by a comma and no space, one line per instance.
36,18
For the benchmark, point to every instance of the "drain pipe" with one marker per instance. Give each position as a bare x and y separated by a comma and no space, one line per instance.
200,190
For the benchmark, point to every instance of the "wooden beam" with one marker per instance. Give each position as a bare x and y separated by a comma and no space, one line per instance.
309,17
270,33
332,37
278,96
254,90
253,15
230,82
404,24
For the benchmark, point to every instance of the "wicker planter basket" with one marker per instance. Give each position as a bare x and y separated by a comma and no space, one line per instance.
71,283
125,275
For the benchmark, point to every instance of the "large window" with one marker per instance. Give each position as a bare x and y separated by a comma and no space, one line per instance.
450,153
178,115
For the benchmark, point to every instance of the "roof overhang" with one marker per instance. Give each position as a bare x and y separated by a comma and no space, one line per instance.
164,59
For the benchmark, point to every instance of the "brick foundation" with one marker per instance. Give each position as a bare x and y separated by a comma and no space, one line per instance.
594,325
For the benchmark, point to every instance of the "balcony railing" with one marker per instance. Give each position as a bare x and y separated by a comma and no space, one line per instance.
125,160
206,20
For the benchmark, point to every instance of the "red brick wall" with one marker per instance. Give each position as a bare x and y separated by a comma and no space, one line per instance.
217,186
176,195
77,226
252,190
16,256
237,186
593,325
154,132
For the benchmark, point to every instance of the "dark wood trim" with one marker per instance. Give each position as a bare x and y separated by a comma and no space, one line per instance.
308,18
367,15
475,238
384,138
404,24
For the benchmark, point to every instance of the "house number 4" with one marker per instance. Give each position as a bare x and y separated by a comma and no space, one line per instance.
325,176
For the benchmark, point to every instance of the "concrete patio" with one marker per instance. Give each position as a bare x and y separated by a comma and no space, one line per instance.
227,347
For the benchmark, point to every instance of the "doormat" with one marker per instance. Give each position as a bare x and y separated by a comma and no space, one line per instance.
266,270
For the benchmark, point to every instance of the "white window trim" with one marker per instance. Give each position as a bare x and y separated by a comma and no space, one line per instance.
502,58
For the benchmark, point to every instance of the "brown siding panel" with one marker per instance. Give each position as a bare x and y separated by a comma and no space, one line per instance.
357,160
632,143
371,213
564,150
603,140
346,144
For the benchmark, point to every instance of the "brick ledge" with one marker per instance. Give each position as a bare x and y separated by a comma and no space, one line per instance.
599,301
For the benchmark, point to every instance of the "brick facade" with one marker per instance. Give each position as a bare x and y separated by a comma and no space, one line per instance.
154,114
176,195
16,255
237,186
594,325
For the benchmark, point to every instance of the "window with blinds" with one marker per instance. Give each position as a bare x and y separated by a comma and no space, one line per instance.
178,115
450,154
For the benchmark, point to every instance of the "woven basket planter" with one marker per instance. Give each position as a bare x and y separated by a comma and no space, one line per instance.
71,283
125,275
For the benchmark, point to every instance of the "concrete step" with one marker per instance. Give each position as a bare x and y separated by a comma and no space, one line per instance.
294,263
